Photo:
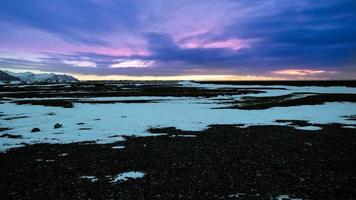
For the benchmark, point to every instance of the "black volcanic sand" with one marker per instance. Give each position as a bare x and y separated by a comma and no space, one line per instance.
260,162
69,103
65,103
109,89
104,89
260,103
87,89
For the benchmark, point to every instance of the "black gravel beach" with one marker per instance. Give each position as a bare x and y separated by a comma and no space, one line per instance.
222,162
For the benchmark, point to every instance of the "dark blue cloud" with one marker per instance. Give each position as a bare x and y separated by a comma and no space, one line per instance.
279,34
76,21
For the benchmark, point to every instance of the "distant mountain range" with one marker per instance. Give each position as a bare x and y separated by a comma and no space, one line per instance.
29,77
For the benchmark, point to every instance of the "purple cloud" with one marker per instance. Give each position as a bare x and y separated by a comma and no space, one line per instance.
180,37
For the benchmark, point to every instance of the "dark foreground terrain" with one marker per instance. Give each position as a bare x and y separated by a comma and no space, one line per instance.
223,162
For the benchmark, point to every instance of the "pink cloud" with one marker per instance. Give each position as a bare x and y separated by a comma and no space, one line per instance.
233,44
132,64
299,72
80,63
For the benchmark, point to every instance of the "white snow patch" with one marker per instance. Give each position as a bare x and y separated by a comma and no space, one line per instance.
42,160
286,197
237,195
308,128
118,147
348,126
189,136
91,178
127,175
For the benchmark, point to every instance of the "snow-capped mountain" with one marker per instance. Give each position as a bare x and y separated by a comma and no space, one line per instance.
30,77
5,77
58,78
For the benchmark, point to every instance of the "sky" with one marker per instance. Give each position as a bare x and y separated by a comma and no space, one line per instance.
180,39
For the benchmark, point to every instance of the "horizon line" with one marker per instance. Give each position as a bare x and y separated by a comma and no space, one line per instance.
196,77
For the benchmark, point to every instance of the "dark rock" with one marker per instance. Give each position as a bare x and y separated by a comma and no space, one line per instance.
84,129
34,130
10,136
58,125
65,103
16,117
4,129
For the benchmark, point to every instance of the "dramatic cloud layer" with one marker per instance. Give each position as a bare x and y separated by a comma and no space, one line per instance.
269,38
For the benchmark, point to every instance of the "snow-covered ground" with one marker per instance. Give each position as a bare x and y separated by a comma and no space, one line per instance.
126,175
118,178
103,121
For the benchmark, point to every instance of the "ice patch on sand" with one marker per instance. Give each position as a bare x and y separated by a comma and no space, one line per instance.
348,126
286,197
118,147
237,195
127,175
188,136
308,128
91,178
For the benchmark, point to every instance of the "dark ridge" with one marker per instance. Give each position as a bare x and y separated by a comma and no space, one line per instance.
259,103
69,103
6,135
16,117
2,129
50,102
84,129
294,122
118,101
164,130
79,91
351,117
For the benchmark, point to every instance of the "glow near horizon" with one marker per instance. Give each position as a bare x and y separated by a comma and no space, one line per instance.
178,77
207,77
